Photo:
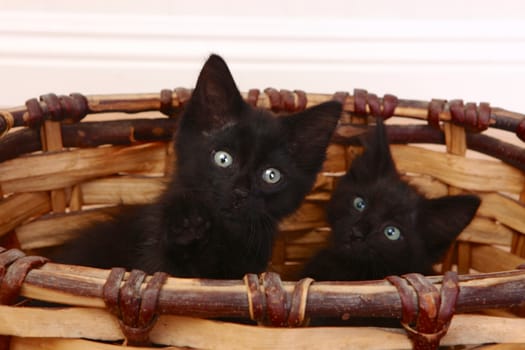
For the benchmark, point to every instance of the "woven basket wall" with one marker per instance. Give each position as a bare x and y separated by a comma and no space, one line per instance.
67,160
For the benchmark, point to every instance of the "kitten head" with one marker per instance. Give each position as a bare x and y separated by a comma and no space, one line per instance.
250,166
384,226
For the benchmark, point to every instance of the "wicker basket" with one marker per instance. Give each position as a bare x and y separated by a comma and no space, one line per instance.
58,173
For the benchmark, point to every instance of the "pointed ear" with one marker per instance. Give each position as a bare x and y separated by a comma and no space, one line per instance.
441,220
310,131
215,101
376,161
380,149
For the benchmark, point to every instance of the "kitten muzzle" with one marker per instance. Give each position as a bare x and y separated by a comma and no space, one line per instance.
356,235
240,196
350,240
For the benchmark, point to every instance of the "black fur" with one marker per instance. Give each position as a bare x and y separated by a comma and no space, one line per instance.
360,249
213,221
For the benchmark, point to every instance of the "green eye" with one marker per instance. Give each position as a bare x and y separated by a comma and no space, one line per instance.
271,176
392,233
359,204
222,159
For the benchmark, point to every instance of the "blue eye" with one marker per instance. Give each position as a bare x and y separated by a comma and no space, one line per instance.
359,204
222,159
392,233
271,176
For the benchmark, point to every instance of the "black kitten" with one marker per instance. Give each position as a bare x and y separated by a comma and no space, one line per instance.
239,171
381,226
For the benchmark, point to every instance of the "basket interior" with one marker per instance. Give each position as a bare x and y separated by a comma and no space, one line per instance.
58,173
116,156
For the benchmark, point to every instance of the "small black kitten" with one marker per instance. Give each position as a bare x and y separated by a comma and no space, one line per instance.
382,226
239,171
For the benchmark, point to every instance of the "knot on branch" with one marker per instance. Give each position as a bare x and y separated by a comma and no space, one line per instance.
172,101
268,302
469,115
435,108
52,107
253,97
340,96
281,100
134,306
7,121
14,267
520,130
427,312
370,104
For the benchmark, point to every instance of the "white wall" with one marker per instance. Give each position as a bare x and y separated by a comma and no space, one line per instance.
473,50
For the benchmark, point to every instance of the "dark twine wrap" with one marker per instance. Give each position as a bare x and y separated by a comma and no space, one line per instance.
135,308
427,312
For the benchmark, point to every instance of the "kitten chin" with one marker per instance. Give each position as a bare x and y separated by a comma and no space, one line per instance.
382,226
239,171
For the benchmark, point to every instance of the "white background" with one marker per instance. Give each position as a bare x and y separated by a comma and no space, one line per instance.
415,49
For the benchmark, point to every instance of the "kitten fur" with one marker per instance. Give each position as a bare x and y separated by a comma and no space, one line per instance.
372,203
239,171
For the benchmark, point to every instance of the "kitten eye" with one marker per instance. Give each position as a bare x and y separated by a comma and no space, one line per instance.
359,204
222,159
392,233
271,176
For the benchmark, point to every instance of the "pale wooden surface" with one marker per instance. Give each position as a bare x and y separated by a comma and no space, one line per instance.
205,334
57,170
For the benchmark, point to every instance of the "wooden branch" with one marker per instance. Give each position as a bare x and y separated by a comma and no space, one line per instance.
118,132
129,103
223,298
507,152
55,229
125,132
122,189
70,344
20,207
504,209
467,173
502,347
71,167
482,230
19,142
172,101
491,259
205,334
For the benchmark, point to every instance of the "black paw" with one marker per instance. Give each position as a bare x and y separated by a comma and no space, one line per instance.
190,227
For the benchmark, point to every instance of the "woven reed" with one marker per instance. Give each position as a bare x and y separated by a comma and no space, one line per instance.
58,173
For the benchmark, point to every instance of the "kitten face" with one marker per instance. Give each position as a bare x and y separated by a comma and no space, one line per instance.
382,226
373,224
245,170
249,166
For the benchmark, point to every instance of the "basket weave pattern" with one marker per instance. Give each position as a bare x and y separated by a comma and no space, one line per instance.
60,170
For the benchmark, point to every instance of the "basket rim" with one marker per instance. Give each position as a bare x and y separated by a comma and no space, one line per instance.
69,110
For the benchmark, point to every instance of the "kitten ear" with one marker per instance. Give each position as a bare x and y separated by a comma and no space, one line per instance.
376,161
309,132
380,149
216,100
441,220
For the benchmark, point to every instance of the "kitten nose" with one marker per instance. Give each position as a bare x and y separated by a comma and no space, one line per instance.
357,234
240,193
240,196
